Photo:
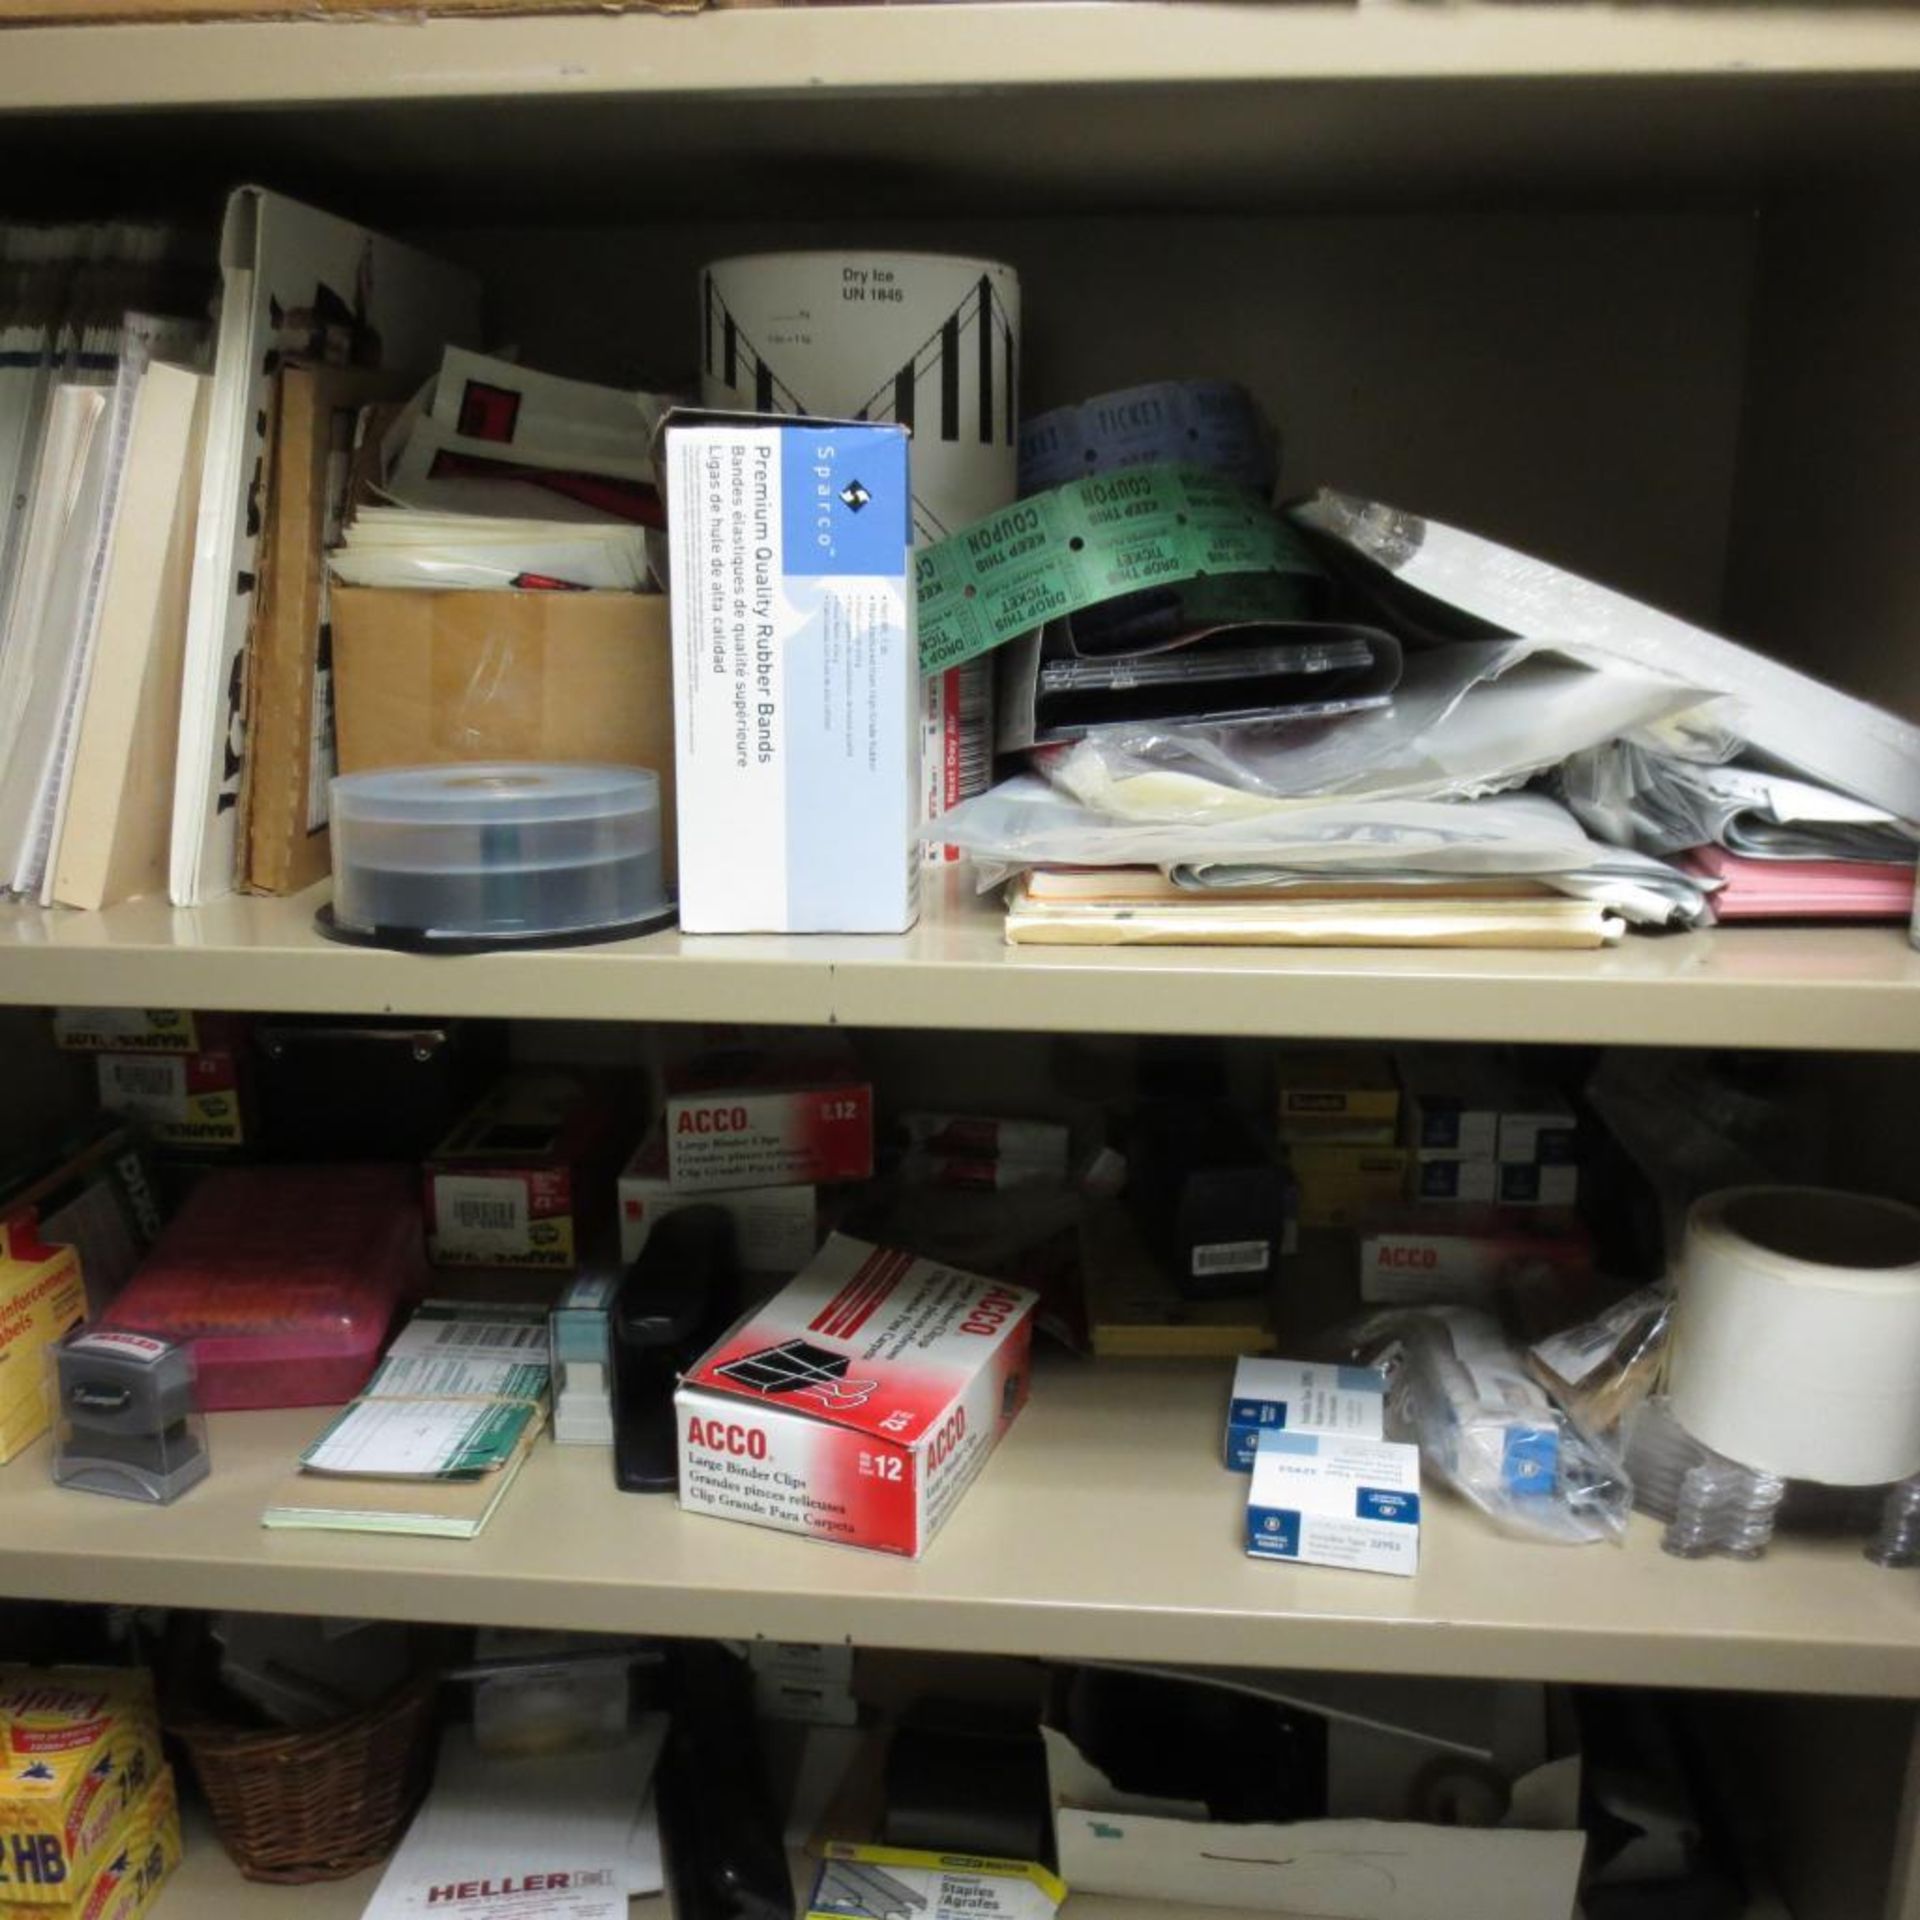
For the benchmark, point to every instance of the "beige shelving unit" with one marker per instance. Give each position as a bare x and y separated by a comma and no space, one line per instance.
1628,284
1103,1528
1808,989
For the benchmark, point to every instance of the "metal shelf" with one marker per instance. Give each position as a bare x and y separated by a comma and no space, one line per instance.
1035,43
1802,988
1018,108
1105,1527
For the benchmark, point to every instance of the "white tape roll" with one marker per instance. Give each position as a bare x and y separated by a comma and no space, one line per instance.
930,341
1796,1341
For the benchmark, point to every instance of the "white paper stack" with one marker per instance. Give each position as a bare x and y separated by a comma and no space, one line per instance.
397,547
71,516
567,1836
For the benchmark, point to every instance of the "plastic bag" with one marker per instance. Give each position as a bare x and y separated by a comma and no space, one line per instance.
1459,1390
1470,719
1023,822
1603,1368
1641,796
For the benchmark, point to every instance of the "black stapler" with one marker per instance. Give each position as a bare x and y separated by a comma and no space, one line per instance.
674,1302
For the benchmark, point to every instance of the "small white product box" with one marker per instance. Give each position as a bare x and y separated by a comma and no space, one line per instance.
1452,1106
859,1403
1539,1186
1543,1133
1468,1183
774,1227
796,678
1297,1396
1328,1500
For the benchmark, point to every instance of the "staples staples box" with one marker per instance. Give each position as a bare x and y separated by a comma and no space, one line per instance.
796,676
859,1403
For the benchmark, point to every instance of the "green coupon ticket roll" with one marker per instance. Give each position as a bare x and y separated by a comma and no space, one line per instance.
1096,540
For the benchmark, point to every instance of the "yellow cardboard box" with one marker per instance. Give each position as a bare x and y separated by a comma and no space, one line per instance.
1343,1186
41,1297
79,1750
1337,1094
143,1851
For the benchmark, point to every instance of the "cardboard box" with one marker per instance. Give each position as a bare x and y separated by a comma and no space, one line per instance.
1541,1132
1453,1105
79,1750
42,1297
1334,1500
1297,1396
796,677
859,1403
1167,1862
775,1228
1539,1186
516,1181
423,678
137,1858
1454,1182
1341,1185
1425,1259
193,1100
862,1877
746,1137
1338,1096
140,1030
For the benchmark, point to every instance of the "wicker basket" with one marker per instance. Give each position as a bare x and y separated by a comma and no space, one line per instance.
296,1807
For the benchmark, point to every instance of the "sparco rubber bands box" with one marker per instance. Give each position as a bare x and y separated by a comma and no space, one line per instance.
859,1403
796,678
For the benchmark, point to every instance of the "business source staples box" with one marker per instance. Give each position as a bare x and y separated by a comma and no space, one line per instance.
859,1403
796,679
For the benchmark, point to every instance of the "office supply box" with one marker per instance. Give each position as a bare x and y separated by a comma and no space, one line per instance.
42,1297
859,1403
516,1181
82,1746
795,674
1297,1396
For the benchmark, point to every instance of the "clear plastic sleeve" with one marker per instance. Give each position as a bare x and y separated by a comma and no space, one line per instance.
1471,719
1460,1391
1601,1369
1024,822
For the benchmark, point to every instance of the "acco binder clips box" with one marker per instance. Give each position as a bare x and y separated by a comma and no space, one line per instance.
859,1403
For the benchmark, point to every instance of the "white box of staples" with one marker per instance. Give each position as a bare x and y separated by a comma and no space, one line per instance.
1542,1186
1297,1396
1542,1131
1472,1183
1329,1500
796,677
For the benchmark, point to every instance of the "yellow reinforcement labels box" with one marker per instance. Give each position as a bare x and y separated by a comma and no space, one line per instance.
41,1296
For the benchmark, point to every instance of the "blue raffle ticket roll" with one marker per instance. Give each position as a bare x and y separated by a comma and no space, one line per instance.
1216,424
